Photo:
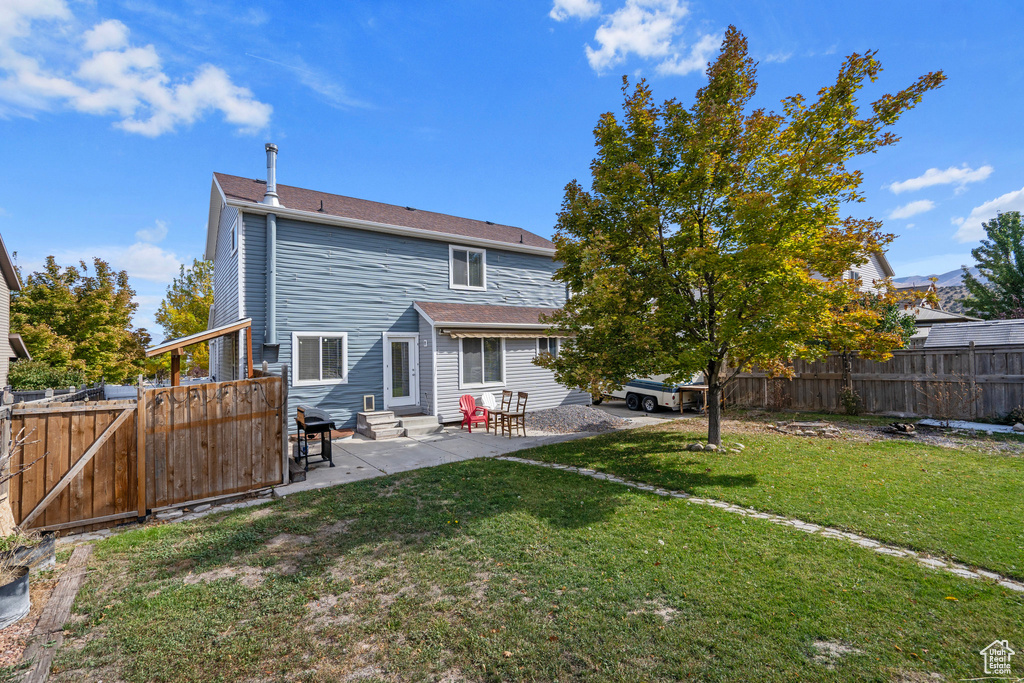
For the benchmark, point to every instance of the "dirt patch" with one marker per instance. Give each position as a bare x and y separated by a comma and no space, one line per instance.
918,677
829,652
287,541
247,576
658,609
14,638
340,527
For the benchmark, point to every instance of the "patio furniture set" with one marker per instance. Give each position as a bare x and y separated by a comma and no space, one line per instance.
493,415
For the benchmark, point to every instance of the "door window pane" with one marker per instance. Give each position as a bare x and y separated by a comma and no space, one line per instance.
460,267
399,369
472,361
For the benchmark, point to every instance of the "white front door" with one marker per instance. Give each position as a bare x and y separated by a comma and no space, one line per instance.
401,381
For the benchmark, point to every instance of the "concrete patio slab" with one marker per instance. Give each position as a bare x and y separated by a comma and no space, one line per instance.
360,458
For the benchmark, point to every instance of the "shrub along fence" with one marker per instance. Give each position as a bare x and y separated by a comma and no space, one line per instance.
104,462
965,382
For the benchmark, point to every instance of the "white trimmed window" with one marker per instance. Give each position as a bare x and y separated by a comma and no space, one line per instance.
481,361
547,345
467,268
320,357
234,237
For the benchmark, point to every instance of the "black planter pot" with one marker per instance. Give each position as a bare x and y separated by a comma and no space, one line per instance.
39,556
35,557
14,599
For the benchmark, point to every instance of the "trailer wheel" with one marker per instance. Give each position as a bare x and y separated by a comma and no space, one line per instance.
650,404
632,401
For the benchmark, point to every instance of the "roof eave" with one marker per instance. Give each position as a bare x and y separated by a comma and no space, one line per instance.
217,203
9,271
341,221
18,346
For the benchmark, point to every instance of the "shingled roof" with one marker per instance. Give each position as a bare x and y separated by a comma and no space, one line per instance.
443,313
324,203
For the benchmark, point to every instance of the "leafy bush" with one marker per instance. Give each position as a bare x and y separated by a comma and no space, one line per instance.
29,375
851,402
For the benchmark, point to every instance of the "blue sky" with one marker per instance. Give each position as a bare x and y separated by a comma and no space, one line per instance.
114,115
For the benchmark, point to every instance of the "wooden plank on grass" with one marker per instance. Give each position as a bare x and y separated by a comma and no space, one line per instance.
49,631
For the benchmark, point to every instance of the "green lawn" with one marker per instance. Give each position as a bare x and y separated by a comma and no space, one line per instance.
492,571
961,504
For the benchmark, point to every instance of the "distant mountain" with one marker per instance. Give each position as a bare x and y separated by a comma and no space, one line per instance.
954,278
951,299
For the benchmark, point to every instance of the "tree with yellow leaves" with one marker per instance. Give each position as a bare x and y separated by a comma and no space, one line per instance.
713,239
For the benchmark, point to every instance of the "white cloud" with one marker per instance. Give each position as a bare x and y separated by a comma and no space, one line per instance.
971,228
697,60
108,35
142,260
649,29
152,235
777,58
952,175
581,9
108,76
913,208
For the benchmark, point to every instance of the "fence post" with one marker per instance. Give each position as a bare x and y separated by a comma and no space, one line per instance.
140,455
974,381
285,472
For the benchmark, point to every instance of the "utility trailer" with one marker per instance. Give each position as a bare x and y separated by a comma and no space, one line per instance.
652,393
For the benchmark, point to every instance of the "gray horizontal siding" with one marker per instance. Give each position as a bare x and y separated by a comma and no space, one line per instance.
332,279
5,329
426,368
520,375
225,294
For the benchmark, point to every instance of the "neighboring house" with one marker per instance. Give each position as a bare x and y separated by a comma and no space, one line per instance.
874,270
361,298
982,333
927,315
12,346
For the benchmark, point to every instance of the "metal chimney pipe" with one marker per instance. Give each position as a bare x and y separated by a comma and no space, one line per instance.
271,196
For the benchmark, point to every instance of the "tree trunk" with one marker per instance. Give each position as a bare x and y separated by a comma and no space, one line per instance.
715,413
714,404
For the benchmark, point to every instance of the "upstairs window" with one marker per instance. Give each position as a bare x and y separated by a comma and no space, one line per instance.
234,237
548,345
320,357
467,268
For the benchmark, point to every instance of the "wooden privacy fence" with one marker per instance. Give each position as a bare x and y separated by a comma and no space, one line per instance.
912,383
102,462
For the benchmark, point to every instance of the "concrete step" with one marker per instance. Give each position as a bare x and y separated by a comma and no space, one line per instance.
424,430
419,421
380,417
387,433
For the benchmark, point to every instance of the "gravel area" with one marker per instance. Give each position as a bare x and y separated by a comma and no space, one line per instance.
572,419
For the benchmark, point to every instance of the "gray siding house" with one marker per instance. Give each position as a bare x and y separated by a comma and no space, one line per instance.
11,345
361,298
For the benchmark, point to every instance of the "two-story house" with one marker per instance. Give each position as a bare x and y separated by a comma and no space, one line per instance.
12,346
362,298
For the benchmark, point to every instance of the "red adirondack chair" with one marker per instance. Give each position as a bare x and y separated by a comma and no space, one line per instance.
471,412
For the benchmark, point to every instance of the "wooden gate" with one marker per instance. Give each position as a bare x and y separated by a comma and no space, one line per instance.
192,443
83,464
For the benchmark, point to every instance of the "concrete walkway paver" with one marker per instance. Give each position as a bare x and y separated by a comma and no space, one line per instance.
955,568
